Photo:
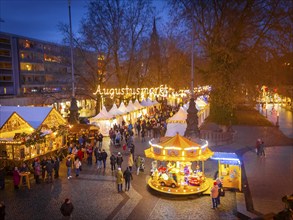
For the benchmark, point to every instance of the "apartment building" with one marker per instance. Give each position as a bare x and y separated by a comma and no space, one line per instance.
35,72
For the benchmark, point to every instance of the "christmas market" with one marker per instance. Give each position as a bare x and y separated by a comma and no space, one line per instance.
29,132
176,173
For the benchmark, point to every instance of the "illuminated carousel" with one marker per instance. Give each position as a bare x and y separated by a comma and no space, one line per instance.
175,175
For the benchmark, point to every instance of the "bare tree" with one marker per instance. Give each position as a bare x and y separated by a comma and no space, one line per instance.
116,28
237,38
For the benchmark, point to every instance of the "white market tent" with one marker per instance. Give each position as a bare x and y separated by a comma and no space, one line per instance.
103,120
122,108
137,104
115,111
177,123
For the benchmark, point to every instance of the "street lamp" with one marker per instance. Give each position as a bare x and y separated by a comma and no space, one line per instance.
266,110
73,116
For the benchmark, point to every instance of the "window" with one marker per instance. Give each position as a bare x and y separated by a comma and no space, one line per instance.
4,40
5,65
5,78
4,53
32,67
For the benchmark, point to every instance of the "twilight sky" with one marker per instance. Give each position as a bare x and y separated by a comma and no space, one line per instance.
39,19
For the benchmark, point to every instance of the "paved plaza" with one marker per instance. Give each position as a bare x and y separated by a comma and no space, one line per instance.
94,193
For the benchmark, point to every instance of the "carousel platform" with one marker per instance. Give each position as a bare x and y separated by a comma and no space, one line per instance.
182,189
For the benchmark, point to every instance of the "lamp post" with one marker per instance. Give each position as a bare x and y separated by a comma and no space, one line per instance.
73,116
266,110
192,130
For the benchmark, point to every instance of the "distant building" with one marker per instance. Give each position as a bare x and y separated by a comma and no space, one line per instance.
35,72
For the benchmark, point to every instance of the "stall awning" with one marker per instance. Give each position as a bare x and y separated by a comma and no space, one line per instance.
226,158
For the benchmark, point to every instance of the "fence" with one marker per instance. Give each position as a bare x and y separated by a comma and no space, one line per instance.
218,137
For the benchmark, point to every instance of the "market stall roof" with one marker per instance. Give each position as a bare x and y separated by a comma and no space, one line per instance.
122,107
35,116
226,158
137,104
146,102
179,148
103,115
179,117
130,107
115,111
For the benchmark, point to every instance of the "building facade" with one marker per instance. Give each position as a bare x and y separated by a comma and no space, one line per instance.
35,72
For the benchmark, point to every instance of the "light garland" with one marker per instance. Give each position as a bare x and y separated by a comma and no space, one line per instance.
161,91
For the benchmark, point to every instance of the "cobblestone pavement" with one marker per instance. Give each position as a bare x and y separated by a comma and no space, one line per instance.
94,195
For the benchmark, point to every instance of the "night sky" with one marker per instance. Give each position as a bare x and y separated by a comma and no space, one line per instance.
39,19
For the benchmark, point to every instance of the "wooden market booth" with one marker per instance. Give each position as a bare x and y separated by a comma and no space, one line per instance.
179,152
229,169
29,132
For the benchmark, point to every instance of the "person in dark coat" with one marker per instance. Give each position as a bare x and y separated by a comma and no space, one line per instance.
2,210
43,166
2,178
16,178
49,169
67,208
56,167
104,158
127,176
119,159
113,162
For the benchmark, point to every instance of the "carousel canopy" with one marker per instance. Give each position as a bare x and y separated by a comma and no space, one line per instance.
179,148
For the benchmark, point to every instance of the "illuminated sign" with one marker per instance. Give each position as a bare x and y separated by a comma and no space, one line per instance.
162,91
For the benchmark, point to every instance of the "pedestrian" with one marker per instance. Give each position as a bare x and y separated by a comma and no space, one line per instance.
119,159
89,152
143,135
104,158
2,210
130,162
56,167
16,178
43,166
2,177
220,186
127,176
100,139
214,195
119,179
113,162
257,146
262,149
99,159
68,165
77,165
37,170
138,164
67,209
49,169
